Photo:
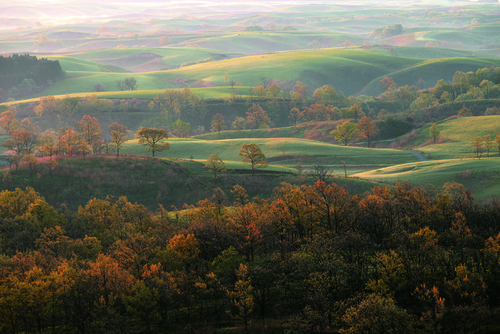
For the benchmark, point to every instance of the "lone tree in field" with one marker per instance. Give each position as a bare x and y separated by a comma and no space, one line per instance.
215,165
477,144
345,133
367,130
118,133
435,133
217,123
151,137
129,83
252,154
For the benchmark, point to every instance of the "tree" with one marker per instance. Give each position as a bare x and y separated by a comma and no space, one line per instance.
165,40
497,141
181,129
242,295
99,88
239,123
477,144
22,141
118,135
129,83
387,83
295,115
217,123
215,165
8,121
356,111
47,145
91,131
366,130
151,137
252,154
435,133
488,143
257,117
345,132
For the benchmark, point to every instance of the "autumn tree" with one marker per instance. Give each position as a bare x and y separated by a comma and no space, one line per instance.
242,296
435,133
152,137
488,143
345,132
326,95
367,130
23,142
8,121
90,128
295,115
47,144
252,154
497,141
477,145
118,135
257,117
356,111
217,123
215,165
387,83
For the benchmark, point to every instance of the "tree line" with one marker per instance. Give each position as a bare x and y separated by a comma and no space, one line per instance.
310,259
21,75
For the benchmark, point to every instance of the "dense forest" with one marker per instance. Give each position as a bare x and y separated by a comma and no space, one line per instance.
22,75
311,259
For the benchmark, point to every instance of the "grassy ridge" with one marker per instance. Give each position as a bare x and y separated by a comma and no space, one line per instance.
348,70
283,152
458,133
481,177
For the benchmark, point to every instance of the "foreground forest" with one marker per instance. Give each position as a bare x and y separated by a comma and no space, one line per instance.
308,259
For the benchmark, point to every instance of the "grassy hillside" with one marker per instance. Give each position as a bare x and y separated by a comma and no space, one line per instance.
139,59
481,177
347,70
457,134
284,152
350,71
150,182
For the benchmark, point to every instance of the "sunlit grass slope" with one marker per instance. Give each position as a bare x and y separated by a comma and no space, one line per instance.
347,70
141,59
481,177
283,152
459,133
431,71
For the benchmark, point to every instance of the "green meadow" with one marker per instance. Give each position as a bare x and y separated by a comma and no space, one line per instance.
481,177
457,134
283,152
352,71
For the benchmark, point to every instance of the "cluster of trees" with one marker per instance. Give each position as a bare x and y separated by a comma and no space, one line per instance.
85,137
486,143
21,75
311,259
348,131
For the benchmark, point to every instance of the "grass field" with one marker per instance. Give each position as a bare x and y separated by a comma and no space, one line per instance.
481,177
350,71
283,152
458,134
